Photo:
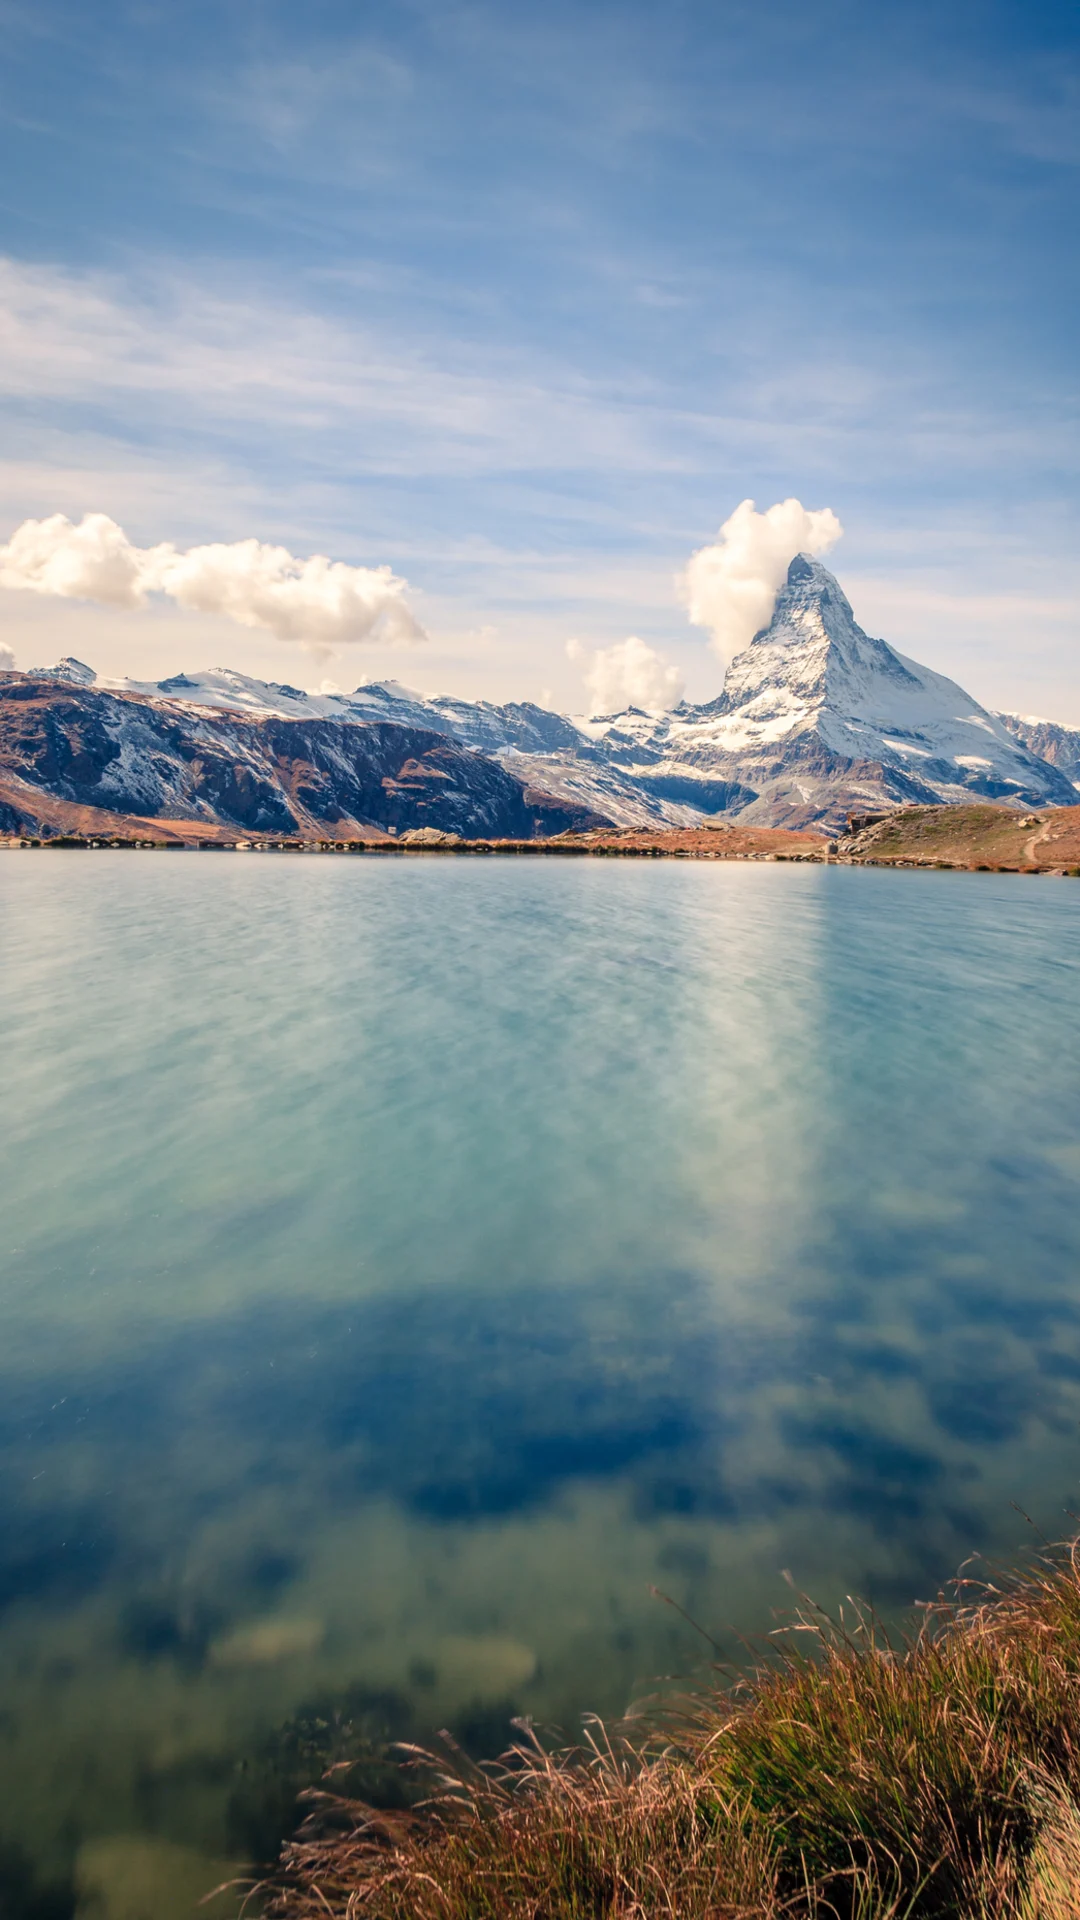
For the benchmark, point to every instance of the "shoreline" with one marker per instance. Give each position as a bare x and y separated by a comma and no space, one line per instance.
541,849
982,838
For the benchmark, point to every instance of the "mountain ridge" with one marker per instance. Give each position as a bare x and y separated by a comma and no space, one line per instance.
127,755
816,719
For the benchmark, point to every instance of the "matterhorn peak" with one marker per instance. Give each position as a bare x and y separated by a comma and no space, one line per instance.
811,604
792,665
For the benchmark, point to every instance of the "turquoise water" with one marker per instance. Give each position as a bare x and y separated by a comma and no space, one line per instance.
406,1264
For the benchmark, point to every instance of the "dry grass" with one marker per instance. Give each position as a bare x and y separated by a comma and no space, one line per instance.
845,1777
983,836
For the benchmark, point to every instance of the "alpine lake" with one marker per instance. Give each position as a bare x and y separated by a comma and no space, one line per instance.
408,1264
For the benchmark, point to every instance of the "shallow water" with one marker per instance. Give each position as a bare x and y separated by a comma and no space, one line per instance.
405,1264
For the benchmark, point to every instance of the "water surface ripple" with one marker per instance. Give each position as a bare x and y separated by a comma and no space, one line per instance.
406,1263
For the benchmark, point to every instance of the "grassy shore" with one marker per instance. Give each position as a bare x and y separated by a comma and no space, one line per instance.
845,1776
983,838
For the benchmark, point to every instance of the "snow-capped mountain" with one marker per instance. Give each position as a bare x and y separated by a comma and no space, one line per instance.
538,748
78,757
816,718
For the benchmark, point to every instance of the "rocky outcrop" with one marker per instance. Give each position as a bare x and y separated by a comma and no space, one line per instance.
983,837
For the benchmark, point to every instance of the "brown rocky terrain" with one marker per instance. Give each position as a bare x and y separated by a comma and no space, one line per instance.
67,822
711,842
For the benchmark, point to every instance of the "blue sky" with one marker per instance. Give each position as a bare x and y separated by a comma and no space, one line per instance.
523,301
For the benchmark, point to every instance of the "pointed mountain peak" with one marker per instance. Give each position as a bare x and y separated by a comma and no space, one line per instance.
805,567
814,659
810,605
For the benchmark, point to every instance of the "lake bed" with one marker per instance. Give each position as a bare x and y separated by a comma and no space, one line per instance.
406,1266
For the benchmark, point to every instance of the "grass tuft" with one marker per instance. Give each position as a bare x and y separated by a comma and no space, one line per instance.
844,1777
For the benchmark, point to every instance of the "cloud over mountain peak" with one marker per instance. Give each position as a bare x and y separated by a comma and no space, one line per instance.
730,587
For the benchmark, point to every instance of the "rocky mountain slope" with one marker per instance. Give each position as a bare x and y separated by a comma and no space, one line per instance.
540,748
127,755
816,719
1058,746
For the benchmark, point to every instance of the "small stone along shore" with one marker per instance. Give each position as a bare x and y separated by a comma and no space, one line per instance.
979,839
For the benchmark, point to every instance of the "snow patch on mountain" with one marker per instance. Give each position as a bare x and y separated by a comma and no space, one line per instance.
75,672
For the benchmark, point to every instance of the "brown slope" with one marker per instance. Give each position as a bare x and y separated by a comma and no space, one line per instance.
1047,839
28,813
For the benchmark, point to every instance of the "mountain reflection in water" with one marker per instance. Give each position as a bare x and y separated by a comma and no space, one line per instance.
407,1265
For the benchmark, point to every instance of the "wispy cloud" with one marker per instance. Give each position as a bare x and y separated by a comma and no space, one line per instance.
1038,118
185,354
214,405
251,360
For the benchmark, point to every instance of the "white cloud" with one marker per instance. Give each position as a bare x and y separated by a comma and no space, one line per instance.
629,674
93,561
731,586
317,602
7,659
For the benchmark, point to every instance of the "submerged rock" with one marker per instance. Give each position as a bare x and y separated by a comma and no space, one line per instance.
264,1642
140,1877
482,1666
